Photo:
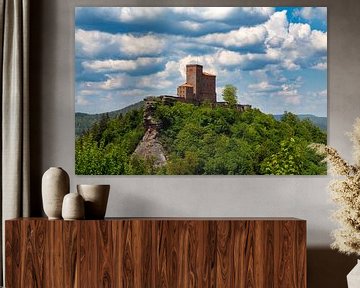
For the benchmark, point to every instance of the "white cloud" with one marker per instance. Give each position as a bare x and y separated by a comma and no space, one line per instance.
111,65
311,13
274,42
321,93
224,13
207,61
92,43
299,30
143,45
277,26
263,11
243,37
279,89
123,14
303,41
86,92
171,70
289,94
262,87
146,14
153,83
206,13
230,58
112,82
320,66
294,45
304,46
138,84
81,100
298,44
133,92
161,80
288,64
134,14
192,25
223,62
247,61
319,40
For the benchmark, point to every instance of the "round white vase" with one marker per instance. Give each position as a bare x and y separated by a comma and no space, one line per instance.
353,278
96,198
55,185
73,207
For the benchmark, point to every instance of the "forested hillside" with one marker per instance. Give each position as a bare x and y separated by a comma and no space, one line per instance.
320,122
201,140
84,121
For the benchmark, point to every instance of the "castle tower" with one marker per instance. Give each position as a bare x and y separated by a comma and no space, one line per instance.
193,77
199,86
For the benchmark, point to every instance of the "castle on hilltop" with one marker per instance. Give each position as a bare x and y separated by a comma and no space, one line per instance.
199,86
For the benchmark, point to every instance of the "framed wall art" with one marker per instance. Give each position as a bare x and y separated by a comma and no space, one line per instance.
200,90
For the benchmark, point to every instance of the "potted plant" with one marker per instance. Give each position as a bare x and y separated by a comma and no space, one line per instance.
345,192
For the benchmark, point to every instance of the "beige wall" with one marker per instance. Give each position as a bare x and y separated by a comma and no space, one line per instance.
52,124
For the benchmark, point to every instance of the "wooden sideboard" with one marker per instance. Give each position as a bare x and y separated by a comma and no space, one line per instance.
156,252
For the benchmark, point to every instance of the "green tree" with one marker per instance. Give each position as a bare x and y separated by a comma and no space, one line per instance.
288,161
229,95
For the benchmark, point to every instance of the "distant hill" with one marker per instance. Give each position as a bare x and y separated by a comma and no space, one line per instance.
320,122
84,121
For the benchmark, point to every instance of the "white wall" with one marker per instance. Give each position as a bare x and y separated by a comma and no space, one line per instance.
52,91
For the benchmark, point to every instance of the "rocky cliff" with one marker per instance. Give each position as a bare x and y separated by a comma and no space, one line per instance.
150,146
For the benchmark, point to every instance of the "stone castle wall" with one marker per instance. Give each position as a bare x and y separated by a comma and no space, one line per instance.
208,88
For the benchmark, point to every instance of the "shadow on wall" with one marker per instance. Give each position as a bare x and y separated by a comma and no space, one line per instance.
328,268
35,104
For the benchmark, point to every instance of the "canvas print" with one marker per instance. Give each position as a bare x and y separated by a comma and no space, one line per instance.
200,90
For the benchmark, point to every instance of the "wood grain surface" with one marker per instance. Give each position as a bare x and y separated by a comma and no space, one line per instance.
156,253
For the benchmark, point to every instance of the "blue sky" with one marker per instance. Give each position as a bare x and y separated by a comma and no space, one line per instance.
275,56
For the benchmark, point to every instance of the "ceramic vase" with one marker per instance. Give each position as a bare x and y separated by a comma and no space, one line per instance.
55,185
73,207
96,198
353,278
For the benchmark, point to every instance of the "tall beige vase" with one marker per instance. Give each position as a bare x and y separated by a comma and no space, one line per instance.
55,185
96,198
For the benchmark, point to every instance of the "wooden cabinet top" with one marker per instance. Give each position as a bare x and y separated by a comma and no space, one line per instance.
271,219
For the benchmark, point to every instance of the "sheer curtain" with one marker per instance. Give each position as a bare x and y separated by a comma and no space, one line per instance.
15,172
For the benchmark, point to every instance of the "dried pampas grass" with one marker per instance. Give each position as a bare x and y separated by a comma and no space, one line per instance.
345,191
